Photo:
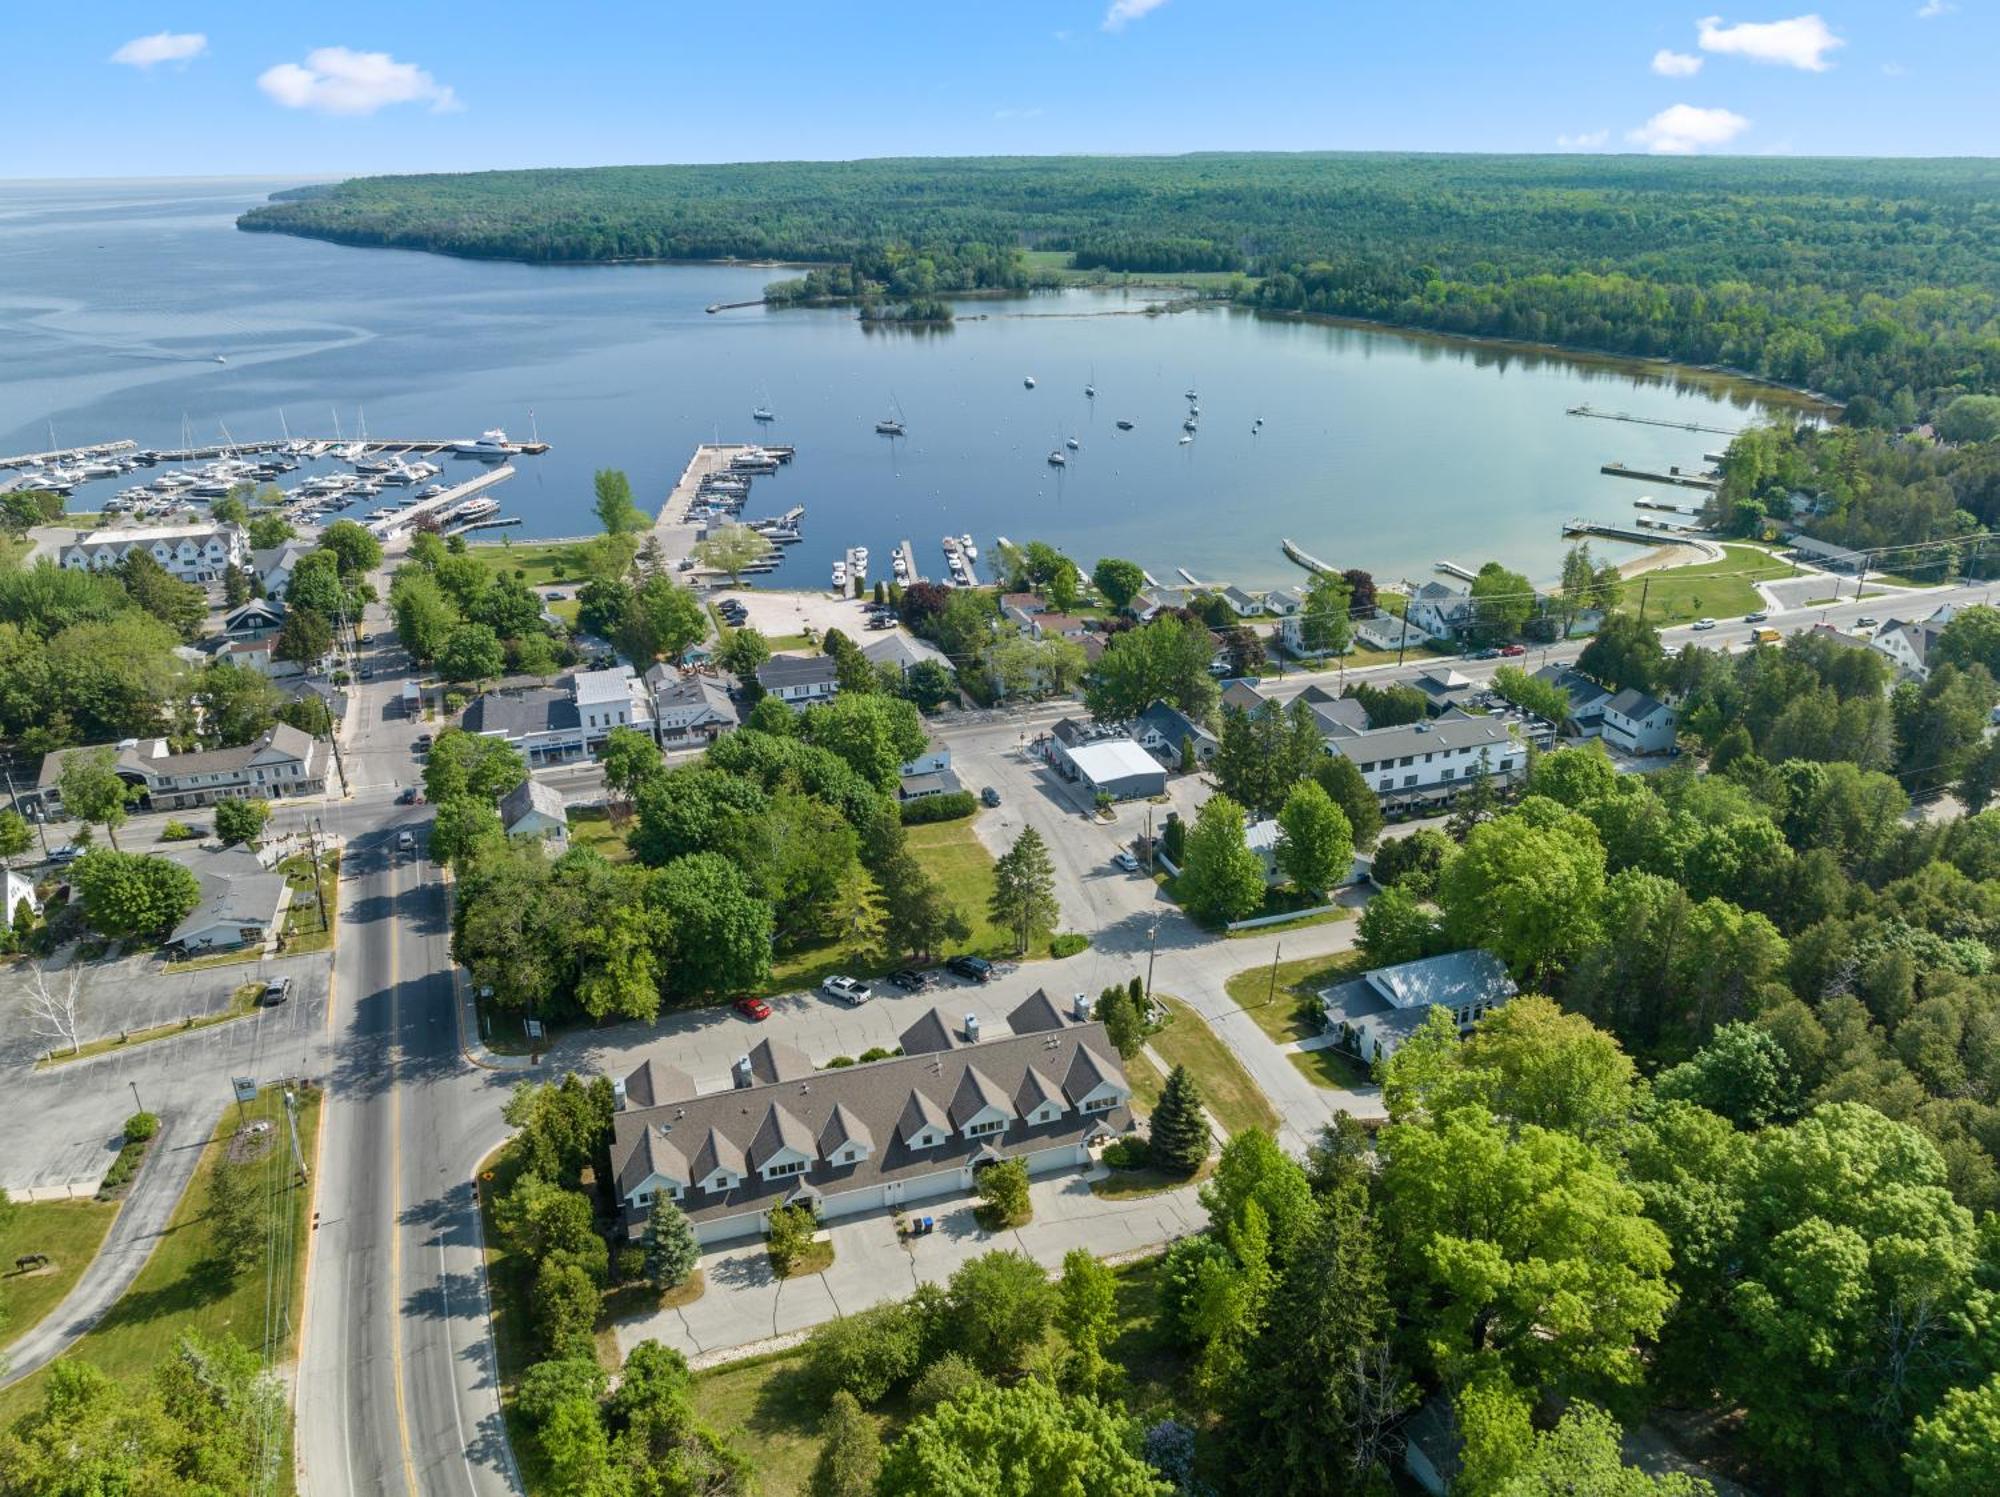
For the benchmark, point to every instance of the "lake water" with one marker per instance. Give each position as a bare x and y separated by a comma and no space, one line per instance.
1377,449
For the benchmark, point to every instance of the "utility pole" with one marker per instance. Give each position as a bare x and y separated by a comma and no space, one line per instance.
319,893
1272,996
136,1103
1152,947
292,1123
41,826
1645,583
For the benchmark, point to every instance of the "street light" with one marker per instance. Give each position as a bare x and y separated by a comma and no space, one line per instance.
1152,948
136,1103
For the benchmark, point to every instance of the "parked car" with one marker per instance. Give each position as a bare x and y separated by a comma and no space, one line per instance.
1489,653
276,991
1703,624
67,853
909,980
848,990
989,796
367,672
1511,650
1867,623
1126,861
756,1010
406,841
1755,618
971,968
423,743
409,797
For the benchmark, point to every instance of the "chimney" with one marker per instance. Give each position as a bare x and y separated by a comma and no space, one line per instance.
972,1028
618,1095
741,1073
1080,1008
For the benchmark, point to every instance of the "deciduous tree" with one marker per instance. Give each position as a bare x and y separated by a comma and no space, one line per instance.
1221,878
1316,845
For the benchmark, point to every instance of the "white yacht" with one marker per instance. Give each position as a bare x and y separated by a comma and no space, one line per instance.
491,444
965,544
763,413
840,574
1057,458
1072,444
1028,381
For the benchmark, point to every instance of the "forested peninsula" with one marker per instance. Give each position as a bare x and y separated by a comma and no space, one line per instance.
1872,281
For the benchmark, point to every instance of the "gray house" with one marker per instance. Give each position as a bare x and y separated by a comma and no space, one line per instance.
1374,1013
1639,723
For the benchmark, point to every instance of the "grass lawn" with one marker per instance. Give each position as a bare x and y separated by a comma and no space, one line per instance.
1147,1084
1710,589
1288,1011
1186,1040
541,563
304,929
1058,261
590,826
178,1290
242,1003
1125,1185
69,1232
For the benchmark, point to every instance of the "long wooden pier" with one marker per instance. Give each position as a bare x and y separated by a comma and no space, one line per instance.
400,521
69,454
1642,532
1720,431
1293,552
1673,475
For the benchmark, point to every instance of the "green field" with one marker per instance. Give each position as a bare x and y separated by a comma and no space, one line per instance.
180,1289
69,1232
1709,589
1057,262
592,827
540,563
1186,1040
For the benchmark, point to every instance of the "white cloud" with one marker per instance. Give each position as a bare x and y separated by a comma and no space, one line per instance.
161,46
1931,9
335,80
1801,42
1671,64
1685,129
1124,12
1589,140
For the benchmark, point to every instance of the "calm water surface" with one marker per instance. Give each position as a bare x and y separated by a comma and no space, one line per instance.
1377,449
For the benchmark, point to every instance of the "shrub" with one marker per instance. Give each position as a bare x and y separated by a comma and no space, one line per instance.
1126,1154
952,807
838,1062
141,1126
876,1052
1069,943
948,1379
792,1229
122,1169
178,831
630,1263
865,1354
1004,1189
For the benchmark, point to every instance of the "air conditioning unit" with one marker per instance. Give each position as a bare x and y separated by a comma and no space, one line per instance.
1080,1008
740,1073
618,1094
972,1028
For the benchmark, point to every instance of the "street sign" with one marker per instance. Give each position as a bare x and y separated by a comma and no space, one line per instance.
534,1027
246,1088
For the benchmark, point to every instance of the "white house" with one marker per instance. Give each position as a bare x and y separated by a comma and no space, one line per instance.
689,708
255,619
19,887
1388,631
1441,609
799,681
1247,605
867,1137
935,758
1638,723
273,566
1262,838
550,724
193,553
1430,762
535,810
1374,1013
1908,642
241,903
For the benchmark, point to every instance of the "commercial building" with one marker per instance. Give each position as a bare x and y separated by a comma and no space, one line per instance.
1116,767
279,762
193,553
1429,763
241,904
1373,1014
689,707
569,720
867,1137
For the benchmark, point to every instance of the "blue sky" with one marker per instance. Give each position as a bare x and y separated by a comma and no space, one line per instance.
185,89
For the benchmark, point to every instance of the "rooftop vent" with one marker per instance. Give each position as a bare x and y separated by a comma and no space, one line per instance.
972,1028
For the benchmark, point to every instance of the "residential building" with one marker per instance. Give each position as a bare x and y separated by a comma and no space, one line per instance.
1586,699
1163,730
1282,602
260,653
1337,716
903,652
1428,763
689,707
570,719
799,681
1262,838
535,809
241,903
18,887
928,774
1827,554
193,553
1388,631
273,566
1908,642
1441,609
1244,697
1444,687
255,619
875,1136
281,761
1247,605
935,757
1374,1013
1639,723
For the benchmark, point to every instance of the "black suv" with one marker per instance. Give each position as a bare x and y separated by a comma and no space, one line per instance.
909,981
971,968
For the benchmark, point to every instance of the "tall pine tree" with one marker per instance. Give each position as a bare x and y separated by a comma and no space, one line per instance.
671,1251
1178,1140
1024,889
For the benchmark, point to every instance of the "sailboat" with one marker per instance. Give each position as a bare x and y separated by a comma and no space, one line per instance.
892,426
1090,390
764,411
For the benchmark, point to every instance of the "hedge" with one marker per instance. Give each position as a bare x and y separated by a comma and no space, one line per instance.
950,807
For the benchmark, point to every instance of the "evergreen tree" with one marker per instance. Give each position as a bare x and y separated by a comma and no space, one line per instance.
1123,1020
1339,778
671,1250
1024,889
1178,1140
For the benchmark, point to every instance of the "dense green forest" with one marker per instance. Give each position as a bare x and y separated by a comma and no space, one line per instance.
1878,279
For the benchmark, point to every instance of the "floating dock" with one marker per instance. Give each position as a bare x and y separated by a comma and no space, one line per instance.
1306,559
1453,569
70,454
1641,532
1673,475
1720,431
1667,507
399,521
964,571
675,529
908,554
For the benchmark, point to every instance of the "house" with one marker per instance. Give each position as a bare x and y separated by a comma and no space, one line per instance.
1374,1013
1388,631
1908,642
1154,600
928,774
1428,763
566,720
902,652
193,553
1162,729
241,903
933,759
254,620
260,654
1586,699
1282,602
535,810
1827,554
281,761
799,680
874,1136
1243,696
1444,688
1115,766
19,888
273,566
1639,723
1262,838
1247,605
1338,717
1441,609
688,707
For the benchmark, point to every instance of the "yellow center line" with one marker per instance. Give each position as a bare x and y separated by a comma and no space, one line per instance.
395,1226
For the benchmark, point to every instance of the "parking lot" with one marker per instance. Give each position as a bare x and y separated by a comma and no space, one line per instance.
775,615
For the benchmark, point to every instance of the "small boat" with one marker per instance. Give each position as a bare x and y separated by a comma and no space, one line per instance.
763,413
1073,444
430,491
1188,425
220,359
1185,440
890,427
1192,397
1124,425
1028,381
1056,458
1090,392
840,574
1194,410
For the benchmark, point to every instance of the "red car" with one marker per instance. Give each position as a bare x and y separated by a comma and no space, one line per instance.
1514,650
756,1010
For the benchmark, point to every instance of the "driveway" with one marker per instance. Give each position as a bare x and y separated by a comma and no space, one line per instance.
746,1303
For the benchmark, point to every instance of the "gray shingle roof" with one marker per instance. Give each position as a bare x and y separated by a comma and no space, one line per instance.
976,1092
780,1130
843,1126
653,1155
716,1151
520,713
235,890
928,1035
1378,744
655,1083
1634,703
531,795
1036,1014
920,1111
796,670
774,1060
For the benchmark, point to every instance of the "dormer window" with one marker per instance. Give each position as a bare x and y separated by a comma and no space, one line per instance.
926,1139
982,1130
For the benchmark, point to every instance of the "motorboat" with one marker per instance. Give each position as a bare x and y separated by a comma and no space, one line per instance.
478,507
1072,444
890,427
763,413
430,491
1188,425
1057,459
965,544
490,444
1028,381
1124,425
1185,440
1192,397
840,574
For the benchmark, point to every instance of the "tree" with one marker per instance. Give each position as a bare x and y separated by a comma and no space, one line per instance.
1063,586
270,530
1579,583
614,507
671,1249
240,820
1024,890
1000,1305
305,638
424,616
1325,620
462,823
730,549
1315,845
743,650
1338,777
93,791
850,1451
630,759
471,652
1221,878
1118,580
661,619
1413,862
1124,1021
1177,1139
1395,928
874,735
1166,659
52,1007
1531,1062
720,934
1246,650
1526,887
235,1218
1543,698
1970,418
316,585
1020,1441
920,919
1624,652
132,895
1956,1449
237,703
563,1309
1582,1454
181,606
354,548
1742,1074
930,685
1004,1189
467,764
1502,602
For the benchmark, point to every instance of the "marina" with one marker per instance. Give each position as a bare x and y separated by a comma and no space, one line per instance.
711,491
396,522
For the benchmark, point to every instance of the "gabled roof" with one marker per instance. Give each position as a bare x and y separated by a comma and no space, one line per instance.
920,1111
1037,1014
797,670
1171,723
1634,703
1244,697
531,795
780,1130
235,890
1034,1090
844,1126
774,1060
715,1151
928,1035
976,1093
656,1083
1087,1072
653,1155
